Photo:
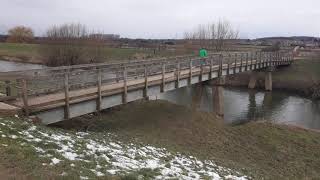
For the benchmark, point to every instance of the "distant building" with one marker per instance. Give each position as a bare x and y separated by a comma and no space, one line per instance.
3,38
106,37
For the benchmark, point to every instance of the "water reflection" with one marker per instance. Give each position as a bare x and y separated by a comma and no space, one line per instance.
242,105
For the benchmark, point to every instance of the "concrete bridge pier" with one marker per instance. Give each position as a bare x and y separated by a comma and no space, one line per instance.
196,98
217,96
267,80
253,80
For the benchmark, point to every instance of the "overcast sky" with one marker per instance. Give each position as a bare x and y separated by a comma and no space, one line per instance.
166,18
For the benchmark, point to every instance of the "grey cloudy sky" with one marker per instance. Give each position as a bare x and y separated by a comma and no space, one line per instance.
166,18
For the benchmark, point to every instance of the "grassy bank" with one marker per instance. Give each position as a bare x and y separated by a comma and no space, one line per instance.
303,77
260,150
30,53
36,152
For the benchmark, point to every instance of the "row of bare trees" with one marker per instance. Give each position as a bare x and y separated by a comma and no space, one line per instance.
213,35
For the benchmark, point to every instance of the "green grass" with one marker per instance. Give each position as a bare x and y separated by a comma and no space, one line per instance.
21,51
30,52
29,151
261,150
301,70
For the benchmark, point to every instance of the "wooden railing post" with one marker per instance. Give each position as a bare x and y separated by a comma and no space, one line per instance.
211,64
201,69
251,60
99,99
260,60
125,86
190,72
163,77
66,95
178,75
241,61
247,60
228,64
145,91
25,97
8,88
220,65
256,60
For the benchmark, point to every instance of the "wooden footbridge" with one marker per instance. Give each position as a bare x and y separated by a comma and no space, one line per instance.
61,93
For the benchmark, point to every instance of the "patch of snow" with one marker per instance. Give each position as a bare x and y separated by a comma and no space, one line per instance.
5,145
3,136
72,165
55,161
112,171
69,155
83,177
98,173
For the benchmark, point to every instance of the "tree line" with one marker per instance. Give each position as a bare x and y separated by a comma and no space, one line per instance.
70,44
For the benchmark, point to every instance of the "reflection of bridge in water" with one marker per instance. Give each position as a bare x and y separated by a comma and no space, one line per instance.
61,93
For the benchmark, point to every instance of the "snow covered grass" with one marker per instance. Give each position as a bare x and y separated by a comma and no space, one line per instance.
89,155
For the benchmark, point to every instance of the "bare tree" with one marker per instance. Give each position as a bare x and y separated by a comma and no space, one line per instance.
213,35
20,34
71,44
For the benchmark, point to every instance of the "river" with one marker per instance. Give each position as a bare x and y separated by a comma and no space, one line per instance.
243,105
6,66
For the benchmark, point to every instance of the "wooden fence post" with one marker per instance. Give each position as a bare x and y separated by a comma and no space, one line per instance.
201,69
235,64
247,60
25,97
220,65
125,87
241,59
99,100
8,88
260,60
163,77
190,72
66,95
251,60
178,75
211,64
228,64
145,91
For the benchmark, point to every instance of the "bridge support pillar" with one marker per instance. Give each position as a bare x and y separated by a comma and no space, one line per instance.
253,80
268,81
217,96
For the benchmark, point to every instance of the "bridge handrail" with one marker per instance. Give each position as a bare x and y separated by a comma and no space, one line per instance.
51,79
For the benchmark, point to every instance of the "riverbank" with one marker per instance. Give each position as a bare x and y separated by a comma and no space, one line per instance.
30,151
302,77
276,151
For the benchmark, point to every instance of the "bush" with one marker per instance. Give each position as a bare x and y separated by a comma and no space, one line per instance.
20,34
71,44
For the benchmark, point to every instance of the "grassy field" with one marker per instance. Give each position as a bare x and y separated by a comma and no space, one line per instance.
260,150
30,53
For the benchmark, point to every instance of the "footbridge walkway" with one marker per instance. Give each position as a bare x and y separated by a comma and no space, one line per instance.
61,93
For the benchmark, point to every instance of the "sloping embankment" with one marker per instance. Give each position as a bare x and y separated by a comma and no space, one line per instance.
260,150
